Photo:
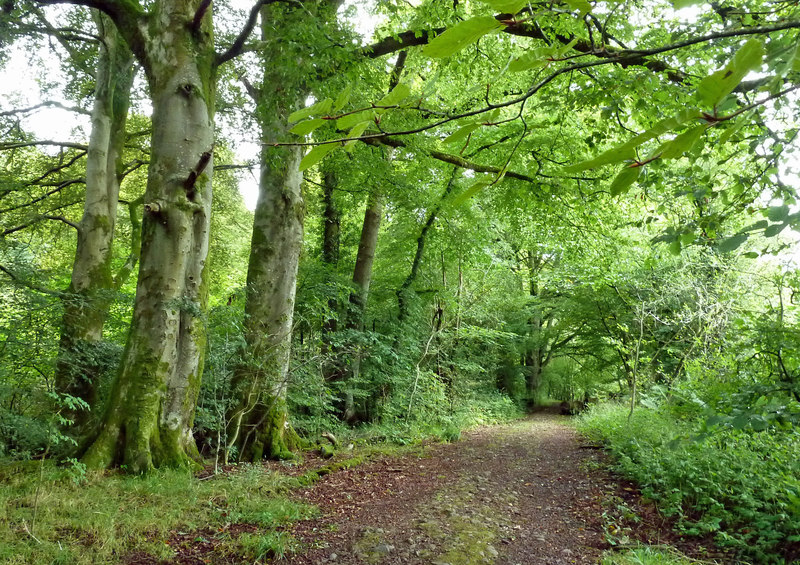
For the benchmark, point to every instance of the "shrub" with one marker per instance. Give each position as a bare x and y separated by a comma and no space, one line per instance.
741,486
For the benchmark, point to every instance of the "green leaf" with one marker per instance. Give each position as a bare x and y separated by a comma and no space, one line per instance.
321,107
732,243
479,185
461,133
533,58
679,4
683,143
316,155
759,225
623,181
357,130
621,153
778,213
735,127
304,128
343,98
564,49
397,95
626,150
350,120
459,36
506,6
751,255
675,247
741,421
713,88
580,5
774,230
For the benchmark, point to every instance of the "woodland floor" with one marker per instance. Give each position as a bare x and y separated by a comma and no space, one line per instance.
528,493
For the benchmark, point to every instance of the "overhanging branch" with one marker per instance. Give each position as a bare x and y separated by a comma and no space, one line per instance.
454,160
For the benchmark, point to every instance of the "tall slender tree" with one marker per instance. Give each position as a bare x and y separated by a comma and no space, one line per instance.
92,285
259,421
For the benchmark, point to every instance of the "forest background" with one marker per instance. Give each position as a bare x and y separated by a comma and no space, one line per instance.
486,206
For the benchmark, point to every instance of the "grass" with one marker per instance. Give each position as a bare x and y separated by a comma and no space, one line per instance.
102,517
646,555
51,514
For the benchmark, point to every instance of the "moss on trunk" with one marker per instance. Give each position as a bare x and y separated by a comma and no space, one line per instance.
268,433
148,422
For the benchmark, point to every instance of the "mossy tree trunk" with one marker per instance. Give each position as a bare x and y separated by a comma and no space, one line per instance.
259,424
331,231
356,313
362,272
92,285
149,416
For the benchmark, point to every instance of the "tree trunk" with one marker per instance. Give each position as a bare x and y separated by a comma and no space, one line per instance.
362,277
331,230
92,285
362,272
148,422
405,288
259,422
534,354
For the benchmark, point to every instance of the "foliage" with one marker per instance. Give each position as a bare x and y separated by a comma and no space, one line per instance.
739,486
579,200
646,555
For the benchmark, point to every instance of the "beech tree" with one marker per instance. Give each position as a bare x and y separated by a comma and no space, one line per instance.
149,417
259,422
93,282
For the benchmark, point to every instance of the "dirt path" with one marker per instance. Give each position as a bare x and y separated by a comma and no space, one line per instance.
523,494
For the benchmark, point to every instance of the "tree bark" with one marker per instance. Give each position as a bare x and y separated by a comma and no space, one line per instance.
534,353
259,422
362,272
92,285
149,417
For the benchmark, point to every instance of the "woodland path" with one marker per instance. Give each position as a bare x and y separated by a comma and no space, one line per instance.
525,493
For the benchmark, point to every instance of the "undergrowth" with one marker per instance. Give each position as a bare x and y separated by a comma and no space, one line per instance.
646,555
51,514
741,486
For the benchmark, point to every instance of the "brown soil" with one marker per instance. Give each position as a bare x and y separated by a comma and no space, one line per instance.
527,493
520,493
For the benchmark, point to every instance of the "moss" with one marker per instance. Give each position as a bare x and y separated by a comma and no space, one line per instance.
312,477
275,438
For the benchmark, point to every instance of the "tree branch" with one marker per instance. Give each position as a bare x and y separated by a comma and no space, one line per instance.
18,145
623,57
47,104
18,280
197,21
36,220
58,188
124,13
454,160
238,44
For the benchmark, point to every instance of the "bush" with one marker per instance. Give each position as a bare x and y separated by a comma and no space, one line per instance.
741,486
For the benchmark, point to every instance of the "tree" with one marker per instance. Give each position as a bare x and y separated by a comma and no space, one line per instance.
93,284
259,421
